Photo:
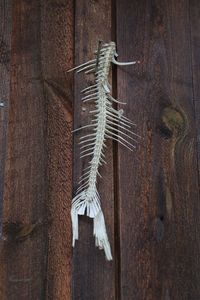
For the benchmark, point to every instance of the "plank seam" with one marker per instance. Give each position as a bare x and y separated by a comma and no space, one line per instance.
117,245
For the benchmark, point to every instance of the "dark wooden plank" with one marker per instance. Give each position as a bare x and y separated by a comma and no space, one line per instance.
93,276
23,250
158,184
57,58
5,46
195,44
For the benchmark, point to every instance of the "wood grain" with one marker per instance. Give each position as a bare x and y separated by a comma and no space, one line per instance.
195,43
23,249
150,197
93,277
57,58
5,48
158,184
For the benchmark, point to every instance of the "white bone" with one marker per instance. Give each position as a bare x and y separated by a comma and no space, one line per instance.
107,123
88,62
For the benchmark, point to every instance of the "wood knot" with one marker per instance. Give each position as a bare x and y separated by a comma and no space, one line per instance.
17,231
173,122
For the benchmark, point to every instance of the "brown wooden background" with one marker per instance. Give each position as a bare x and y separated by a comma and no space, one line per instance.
150,197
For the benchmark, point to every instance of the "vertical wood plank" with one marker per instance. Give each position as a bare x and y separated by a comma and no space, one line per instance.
23,250
93,276
57,58
158,184
5,47
195,43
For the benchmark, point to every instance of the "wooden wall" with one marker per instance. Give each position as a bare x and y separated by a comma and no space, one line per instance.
150,197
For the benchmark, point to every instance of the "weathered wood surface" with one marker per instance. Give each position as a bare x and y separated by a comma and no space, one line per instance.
158,190
93,277
23,248
195,45
57,57
36,245
150,197
5,48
